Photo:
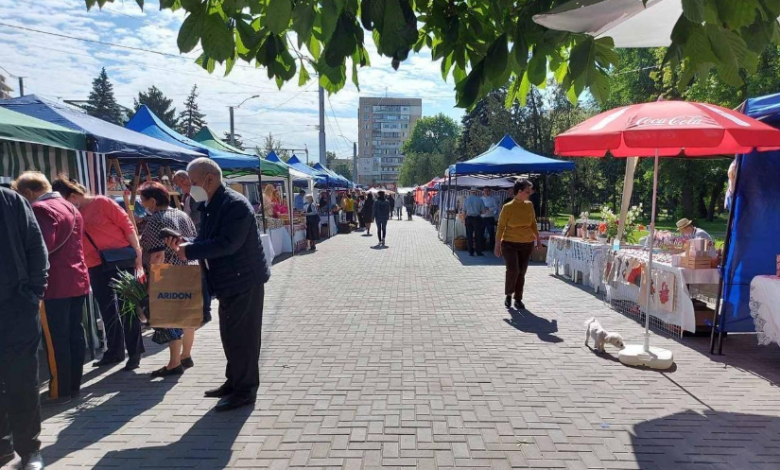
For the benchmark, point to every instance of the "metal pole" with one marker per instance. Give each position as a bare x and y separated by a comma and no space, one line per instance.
717,317
323,159
290,209
455,220
232,127
260,193
650,256
21,86
354,161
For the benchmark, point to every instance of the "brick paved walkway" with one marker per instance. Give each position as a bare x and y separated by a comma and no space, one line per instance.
405,358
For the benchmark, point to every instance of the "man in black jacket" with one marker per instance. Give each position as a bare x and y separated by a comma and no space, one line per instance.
228,246
22,284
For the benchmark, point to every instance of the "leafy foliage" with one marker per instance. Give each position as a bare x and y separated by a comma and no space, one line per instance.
237,140
102,103
429,149
155,100
191,120
273,144
482,44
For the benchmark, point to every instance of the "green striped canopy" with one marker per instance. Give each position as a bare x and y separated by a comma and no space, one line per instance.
206,137
22,128
17,157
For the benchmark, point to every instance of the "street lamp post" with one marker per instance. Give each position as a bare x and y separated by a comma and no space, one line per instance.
232,122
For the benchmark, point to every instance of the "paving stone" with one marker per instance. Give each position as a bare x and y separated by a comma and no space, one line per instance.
405,358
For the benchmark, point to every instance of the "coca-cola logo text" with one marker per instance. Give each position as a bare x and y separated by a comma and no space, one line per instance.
697,120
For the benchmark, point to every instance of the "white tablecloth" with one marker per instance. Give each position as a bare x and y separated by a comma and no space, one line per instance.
578,256
280,239
701,276
765,308
448,226
268,249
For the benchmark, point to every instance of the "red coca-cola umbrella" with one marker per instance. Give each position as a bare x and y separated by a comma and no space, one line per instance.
664,129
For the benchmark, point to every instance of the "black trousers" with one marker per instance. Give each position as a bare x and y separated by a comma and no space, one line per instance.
409,211
240,328
475,229
516,257
381,229
489,226
20,408
206,299
120,332
66,349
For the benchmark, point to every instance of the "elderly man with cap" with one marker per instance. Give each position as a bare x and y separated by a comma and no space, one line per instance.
687,229
474,207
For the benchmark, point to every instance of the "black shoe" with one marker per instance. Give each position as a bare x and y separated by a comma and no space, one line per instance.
56,401
480,254
133,363
166,372
106,361
231,402
508,301
219,392
187,362
519,305
33,461
471,254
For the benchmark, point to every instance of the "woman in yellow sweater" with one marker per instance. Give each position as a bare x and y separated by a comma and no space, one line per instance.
515,239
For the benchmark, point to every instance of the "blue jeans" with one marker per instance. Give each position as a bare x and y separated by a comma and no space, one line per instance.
381,229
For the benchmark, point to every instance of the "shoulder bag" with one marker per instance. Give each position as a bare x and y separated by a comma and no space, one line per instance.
114,258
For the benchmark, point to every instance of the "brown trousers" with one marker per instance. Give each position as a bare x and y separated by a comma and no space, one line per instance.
516,256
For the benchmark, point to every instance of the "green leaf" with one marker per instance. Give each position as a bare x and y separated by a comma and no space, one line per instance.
699,48
729,48
446,66
694,10
278,15
303,21
496,61
520,54
192,5
537,69
468,90
522,91
606,55
250,37
599,86
511,93
140,4
355,80
561,71
217,39
737,14
190,31
229,63
206,62
329,16
303,75
315,47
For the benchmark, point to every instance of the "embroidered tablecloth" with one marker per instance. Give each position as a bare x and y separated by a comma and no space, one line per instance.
765,308
578,255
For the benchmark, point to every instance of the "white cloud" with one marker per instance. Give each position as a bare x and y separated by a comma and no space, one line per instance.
60,68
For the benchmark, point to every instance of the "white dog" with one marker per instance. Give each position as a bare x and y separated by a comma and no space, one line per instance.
601,336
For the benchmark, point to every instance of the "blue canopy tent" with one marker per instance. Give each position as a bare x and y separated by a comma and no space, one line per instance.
506,158
296,175
754,222
103,138
340,180
321,179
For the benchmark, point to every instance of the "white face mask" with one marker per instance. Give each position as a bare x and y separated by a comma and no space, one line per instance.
198,194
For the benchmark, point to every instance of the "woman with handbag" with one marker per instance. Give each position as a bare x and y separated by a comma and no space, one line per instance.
110,245
156,199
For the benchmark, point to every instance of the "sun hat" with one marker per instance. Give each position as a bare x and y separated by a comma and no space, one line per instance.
682,223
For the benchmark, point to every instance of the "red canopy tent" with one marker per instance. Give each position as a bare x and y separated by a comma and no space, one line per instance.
665,129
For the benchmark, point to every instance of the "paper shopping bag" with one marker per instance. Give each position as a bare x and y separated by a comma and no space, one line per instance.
175,296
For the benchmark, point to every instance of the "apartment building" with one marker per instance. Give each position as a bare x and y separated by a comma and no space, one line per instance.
5,89
384,125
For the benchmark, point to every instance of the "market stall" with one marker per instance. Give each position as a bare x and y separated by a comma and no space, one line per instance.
752,243
504,159
577,258
453,224
655,129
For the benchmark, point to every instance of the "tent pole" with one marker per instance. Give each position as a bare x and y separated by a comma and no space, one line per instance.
717,317
260,192
290,211
456,220
650,255
327,212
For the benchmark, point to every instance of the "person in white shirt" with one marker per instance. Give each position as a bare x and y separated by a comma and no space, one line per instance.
399,205
490,214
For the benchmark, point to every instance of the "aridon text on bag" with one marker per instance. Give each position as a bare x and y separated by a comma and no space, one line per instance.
175,296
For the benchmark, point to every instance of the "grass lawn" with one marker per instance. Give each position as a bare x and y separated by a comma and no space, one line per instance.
716,228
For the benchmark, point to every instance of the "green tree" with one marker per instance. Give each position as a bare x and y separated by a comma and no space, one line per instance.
191,120
238,142
482,44
155,100
342,169
431,147
102,103
273,144
329,157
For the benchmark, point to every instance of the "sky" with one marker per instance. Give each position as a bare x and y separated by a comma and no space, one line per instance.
60,68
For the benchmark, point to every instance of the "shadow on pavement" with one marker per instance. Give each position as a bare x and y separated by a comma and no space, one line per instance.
208,444
488,260
527,322
711,440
